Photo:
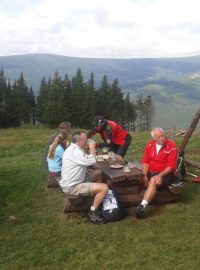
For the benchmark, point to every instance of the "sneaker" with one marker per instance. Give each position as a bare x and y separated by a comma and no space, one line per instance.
139,212
95,218
177,183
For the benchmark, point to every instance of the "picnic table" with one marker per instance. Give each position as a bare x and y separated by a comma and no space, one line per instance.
128,186
113,172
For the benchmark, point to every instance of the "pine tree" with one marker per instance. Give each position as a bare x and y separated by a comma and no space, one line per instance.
78,99
149,111
42,100
55,99
129,113
103,98
23,108
90,103
115,102
4,106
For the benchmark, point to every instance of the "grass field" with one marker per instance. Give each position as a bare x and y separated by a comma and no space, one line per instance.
35,234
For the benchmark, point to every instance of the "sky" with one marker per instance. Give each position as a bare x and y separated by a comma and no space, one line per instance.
100,28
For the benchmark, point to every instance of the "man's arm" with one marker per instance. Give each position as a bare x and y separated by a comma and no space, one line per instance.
171,166
92,147
161,175
145,170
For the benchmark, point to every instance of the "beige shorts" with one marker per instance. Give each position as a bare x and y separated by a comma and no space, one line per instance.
83,189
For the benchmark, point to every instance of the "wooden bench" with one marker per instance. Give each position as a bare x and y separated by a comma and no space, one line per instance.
53,181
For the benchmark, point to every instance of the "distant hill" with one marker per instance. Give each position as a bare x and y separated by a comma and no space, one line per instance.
174,83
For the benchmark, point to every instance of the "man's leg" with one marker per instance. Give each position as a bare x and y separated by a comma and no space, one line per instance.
99,190
150,193
96,190
147,198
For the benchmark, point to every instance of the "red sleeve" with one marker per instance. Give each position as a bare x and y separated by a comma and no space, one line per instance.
172,158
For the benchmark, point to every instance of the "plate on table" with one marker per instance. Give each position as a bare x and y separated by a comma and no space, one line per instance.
116,166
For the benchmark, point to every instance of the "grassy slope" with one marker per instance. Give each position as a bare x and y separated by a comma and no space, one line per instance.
42,237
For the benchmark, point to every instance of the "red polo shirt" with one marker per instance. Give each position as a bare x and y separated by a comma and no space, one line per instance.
166,157
118,133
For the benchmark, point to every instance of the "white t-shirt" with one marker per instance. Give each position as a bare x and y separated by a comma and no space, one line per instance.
74,164
158,147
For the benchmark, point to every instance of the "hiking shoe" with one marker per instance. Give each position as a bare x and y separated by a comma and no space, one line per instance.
94,217
177,183
139,212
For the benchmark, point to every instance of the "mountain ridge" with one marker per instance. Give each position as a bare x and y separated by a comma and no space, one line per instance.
173,83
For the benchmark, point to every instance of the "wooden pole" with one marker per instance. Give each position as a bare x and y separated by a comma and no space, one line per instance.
189,132
192,163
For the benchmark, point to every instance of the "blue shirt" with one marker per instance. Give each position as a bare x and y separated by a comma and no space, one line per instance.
55,163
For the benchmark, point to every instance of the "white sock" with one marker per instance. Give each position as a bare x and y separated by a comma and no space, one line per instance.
92,208
144,203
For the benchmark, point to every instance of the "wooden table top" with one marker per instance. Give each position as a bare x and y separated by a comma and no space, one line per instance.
118,175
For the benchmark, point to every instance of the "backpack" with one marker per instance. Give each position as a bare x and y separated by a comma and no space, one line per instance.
111,210
181,168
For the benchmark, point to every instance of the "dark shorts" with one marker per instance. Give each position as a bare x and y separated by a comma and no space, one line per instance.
167,180
121,149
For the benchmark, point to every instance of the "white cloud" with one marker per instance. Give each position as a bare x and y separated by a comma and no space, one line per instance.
100,28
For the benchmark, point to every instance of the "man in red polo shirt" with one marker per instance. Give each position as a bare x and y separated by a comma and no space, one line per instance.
113,135
159,165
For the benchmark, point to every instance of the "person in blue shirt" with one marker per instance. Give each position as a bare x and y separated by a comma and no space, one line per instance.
55,154
65,129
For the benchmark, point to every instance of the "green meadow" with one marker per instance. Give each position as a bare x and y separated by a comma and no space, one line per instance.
35,234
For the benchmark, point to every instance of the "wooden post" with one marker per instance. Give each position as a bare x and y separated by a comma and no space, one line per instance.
192,163
189,133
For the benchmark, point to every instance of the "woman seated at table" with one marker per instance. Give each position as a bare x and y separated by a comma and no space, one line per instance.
55,154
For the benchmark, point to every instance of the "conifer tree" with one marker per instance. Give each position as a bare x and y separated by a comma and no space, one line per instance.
78,99
103,98
55,99
90,103
21,93
42,101
4,101
115,102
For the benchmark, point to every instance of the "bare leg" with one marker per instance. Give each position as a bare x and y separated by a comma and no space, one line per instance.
148,197
151,190
99,190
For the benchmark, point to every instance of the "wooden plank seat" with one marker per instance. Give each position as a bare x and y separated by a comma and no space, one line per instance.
53,181
74,203
125,187
77,204
170,194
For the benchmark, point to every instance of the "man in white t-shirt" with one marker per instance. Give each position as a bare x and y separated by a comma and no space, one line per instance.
73,175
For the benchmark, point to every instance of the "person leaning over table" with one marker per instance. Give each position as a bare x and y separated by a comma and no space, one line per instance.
159,165
55,154
114,136
73,173
63,128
